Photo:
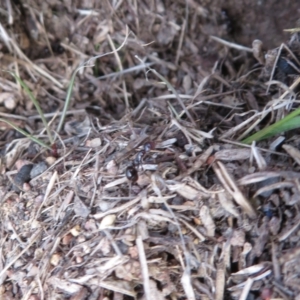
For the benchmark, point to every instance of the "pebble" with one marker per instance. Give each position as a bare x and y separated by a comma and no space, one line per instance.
38,169
10,103
26,173
22,176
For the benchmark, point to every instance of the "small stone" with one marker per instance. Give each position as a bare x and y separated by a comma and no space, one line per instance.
22,176
93,143
26,187
107,221
55,259
197,221
38,253
75,231
38,169
187,83
67,239
50,160
10,103
79,259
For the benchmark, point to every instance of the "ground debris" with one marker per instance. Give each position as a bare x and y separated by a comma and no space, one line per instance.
147,192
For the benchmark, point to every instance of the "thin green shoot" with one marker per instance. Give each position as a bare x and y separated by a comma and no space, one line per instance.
36,104
31,137
291,121
68,100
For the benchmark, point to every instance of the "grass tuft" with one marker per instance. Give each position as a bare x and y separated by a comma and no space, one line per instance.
291,121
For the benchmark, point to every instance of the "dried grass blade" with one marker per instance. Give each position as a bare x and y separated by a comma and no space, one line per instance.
220,281
187,285
195,231
284,235
232,188
246,289
118,209
233,154
227,203
144,267
112,45
70,88
198,163
171,88
47,193
12,45
257,177
12,261
231,45
272,187
117,286
293,152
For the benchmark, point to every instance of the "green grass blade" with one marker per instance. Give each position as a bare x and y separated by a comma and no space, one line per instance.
291,121
36,104
68,99
288,125
34,139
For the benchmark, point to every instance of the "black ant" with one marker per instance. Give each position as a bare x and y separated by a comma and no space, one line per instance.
139,158
132,173
132,170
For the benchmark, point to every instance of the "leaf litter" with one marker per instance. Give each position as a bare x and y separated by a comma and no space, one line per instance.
148,192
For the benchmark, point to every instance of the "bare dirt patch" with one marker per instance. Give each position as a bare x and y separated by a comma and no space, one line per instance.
147,191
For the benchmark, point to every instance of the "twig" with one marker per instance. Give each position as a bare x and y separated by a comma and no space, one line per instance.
170,87
144,267
9,11
183,26
231,45
121,69
31,241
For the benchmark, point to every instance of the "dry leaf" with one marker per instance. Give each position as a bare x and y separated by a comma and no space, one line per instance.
64,285
207,221
107,221
80,208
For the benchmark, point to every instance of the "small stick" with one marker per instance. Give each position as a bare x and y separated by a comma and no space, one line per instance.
231,45
144,267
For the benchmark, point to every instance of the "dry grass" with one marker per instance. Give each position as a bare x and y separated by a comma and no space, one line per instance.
207,216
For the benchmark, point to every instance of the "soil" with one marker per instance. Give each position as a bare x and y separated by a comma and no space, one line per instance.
144,190
263,20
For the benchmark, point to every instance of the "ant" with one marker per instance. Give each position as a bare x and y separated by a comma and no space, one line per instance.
132,171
